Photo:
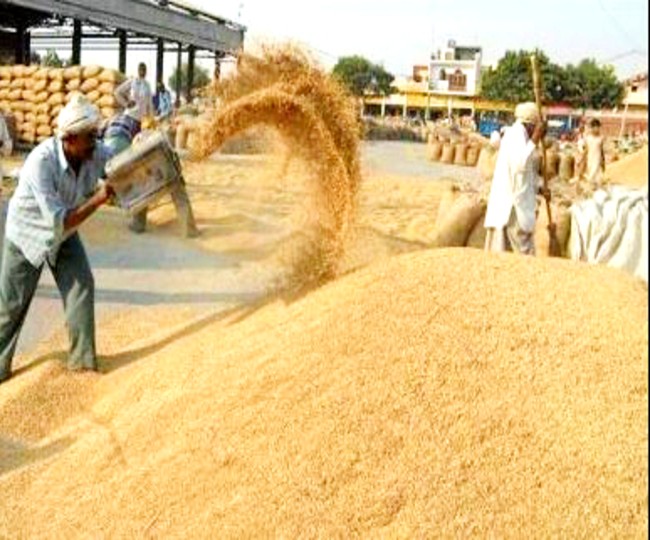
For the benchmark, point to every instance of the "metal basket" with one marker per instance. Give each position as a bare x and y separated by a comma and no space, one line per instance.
144,172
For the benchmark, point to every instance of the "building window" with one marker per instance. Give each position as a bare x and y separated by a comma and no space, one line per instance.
443,74
458,81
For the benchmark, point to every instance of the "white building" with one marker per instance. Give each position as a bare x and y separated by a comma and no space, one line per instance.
455,70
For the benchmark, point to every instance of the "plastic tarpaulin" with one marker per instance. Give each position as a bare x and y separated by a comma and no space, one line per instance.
611,228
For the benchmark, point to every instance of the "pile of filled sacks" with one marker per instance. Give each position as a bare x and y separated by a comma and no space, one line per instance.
34,95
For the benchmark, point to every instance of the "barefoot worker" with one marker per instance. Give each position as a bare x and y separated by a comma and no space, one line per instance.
57,190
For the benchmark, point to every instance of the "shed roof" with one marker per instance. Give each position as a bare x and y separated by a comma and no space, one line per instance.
172,20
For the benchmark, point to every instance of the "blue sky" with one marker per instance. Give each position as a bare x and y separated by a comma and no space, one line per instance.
402,33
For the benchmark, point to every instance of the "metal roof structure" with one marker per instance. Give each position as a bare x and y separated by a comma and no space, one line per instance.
166,25
169,20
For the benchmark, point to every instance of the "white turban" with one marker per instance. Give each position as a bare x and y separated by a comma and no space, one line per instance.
527,113
78,116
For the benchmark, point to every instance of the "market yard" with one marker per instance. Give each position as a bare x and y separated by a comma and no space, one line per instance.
335,354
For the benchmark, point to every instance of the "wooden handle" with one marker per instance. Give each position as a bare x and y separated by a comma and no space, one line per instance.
537,89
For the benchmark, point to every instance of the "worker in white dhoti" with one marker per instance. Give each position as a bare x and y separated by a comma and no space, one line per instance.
595,154
512,205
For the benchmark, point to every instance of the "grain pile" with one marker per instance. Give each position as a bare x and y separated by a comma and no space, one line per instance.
283,89
34,95
631,170
441,394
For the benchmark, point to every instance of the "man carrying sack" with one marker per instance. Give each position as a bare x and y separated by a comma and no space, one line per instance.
512,204
57,190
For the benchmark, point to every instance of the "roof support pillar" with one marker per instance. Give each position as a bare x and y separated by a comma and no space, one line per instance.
76,42
121,34
179,65
20,43
190,73
160,55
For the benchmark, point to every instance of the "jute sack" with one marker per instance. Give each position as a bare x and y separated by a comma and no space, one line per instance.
89,72
40,85
44,130
17,71
107,101
93,96
27,95
28,71
566,167
42,119
30,118
41,97
460,154
42,108
89,85
552,163
106,88
457,225
41,74
108,112
487,160
472,155
72,85
41,138
56,74
5,106
562,219
447,153
111,76
55,110
5,72
72,73
56,99
5,84
4,93
17,83
55,86
477,236
28,83
435,150
447,201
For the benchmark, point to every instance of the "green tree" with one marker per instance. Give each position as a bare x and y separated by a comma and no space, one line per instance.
201,77
51,59
586,85
592,86
511,80
362,76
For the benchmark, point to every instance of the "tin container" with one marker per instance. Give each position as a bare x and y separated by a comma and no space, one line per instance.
144,172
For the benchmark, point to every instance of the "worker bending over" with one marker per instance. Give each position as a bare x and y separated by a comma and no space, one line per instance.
57,190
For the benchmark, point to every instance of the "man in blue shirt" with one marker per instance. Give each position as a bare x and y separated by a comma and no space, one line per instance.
162,102
57,190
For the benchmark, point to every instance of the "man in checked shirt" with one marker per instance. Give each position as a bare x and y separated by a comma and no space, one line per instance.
57,190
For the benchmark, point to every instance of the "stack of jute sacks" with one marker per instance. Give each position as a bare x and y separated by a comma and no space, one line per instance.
35,95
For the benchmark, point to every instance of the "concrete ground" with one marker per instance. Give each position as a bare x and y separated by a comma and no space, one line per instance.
149,269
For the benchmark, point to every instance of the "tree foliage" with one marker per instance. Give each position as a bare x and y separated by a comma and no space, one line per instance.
585,85
362,76
201,77
51,59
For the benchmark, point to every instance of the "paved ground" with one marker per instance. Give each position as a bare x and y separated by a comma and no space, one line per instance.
161,269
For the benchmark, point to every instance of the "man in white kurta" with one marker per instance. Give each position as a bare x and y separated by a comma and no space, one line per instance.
512,205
